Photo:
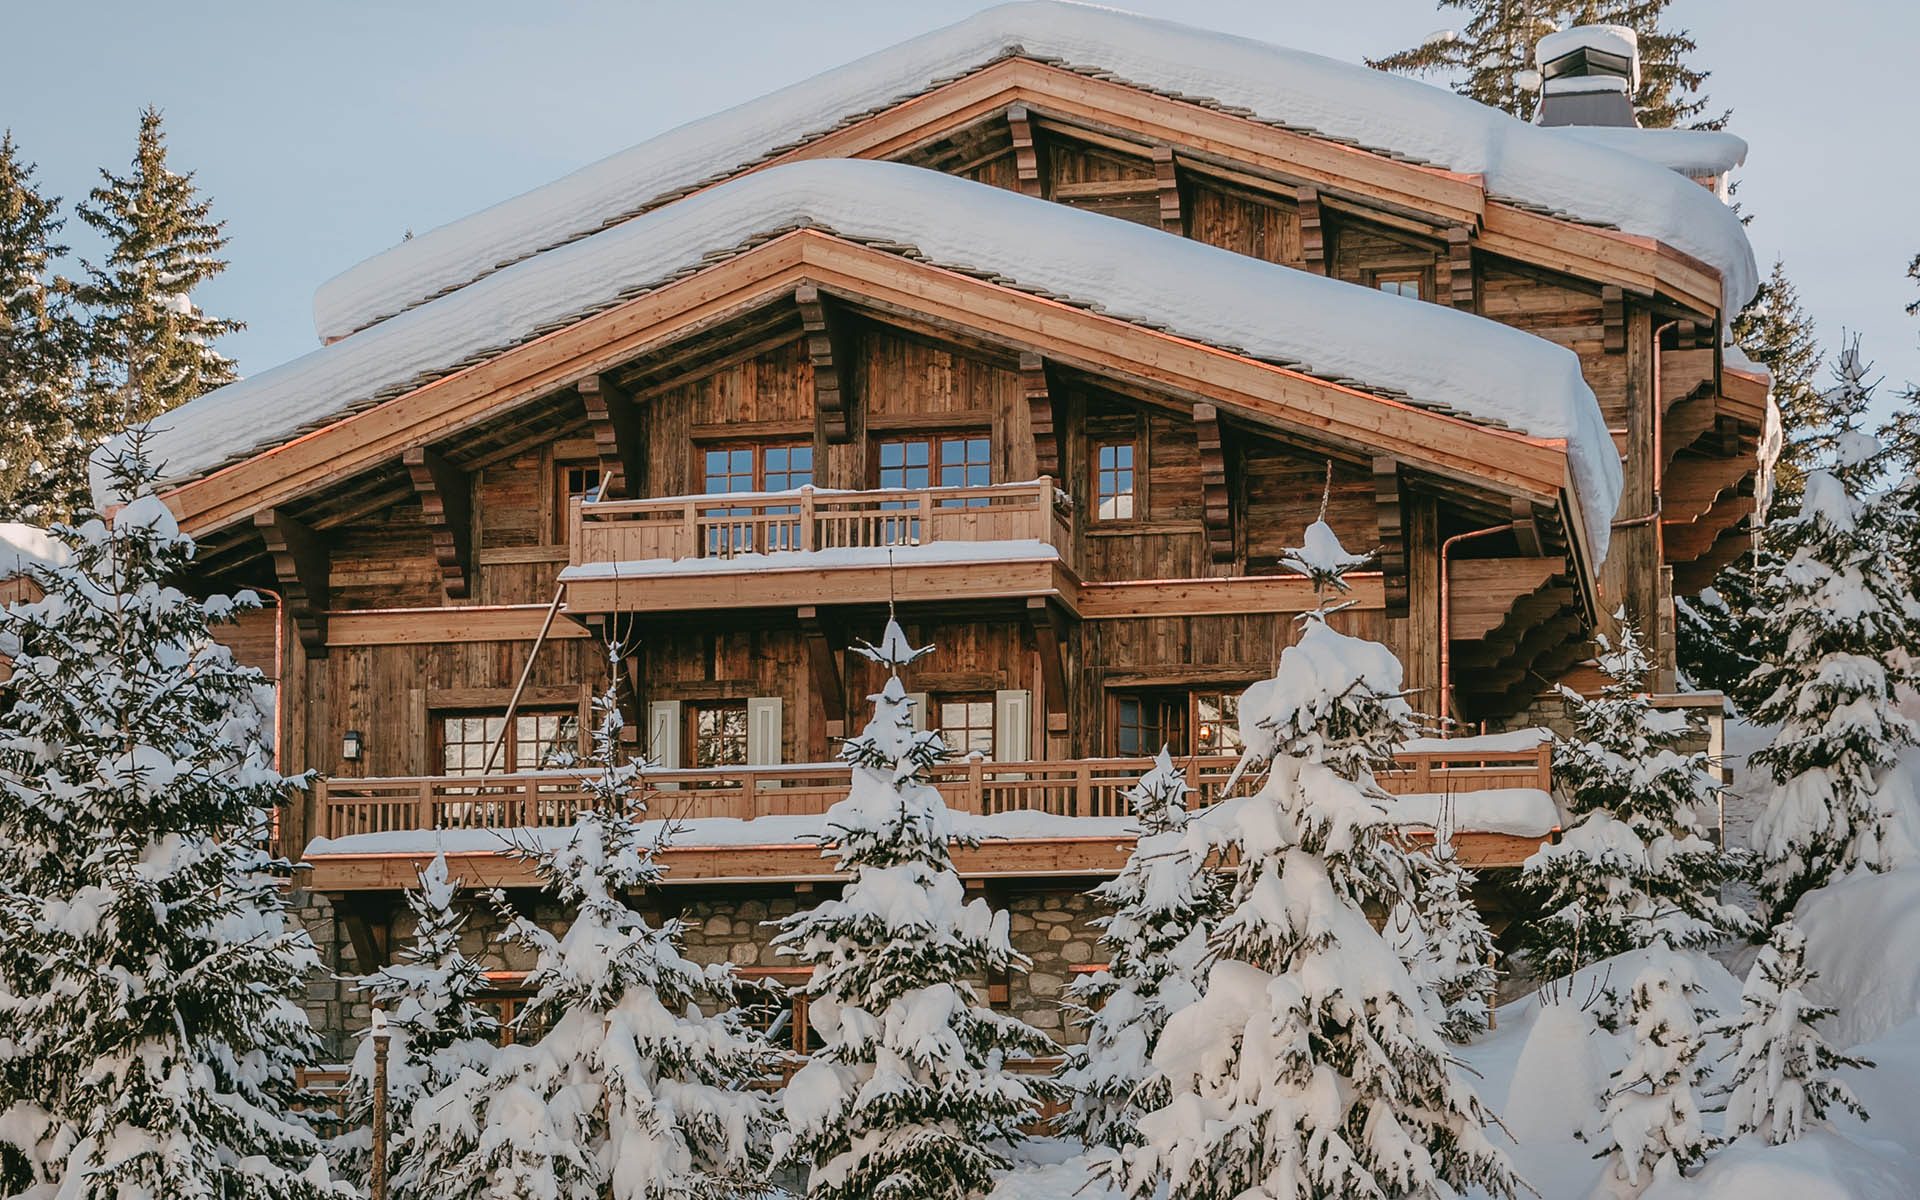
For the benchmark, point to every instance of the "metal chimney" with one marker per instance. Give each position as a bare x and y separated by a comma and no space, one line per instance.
1588,75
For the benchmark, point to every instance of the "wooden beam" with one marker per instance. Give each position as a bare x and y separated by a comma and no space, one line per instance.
1166,176
1043,629
446,505
825,665
1216,501
1041,411
617,436
1613,319
1313,240
1526,528
833,399
1459,291
1389,516
1029,162
303,566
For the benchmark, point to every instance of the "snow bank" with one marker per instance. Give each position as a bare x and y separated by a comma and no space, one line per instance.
1861,932
25,546
1402,117
1824,1165
1433,354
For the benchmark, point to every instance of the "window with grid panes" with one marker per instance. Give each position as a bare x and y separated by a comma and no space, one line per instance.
1410,284
1113,481
718,733
959,460
756,468
573,481
965,723
467,738
1216,722
1145,721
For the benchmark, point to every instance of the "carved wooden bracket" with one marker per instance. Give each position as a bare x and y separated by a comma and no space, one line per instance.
1166,175
1216,500
617,436
1037,384
303,566
1029,162
1390,519
825,665
1613,319
446,505
1526,529
1459,290
825,329
1313,240
1048,639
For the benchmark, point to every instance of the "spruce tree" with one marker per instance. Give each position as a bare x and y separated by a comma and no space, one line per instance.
1775,331
1834,619
438,1029
1783,1067
40,352
151,345
1459,947
910,1091
1652,1130
632,1093
1635,867
1156,939
1311,1067
1901,433
150,980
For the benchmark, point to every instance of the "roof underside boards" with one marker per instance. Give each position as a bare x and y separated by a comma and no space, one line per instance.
1344,102
1432,356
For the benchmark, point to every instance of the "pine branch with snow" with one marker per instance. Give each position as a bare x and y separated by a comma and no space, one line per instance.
633,1092
1652,1129
1156,940
1455,943
910,1092
1783,1081
150,979
1635,867
1311,1065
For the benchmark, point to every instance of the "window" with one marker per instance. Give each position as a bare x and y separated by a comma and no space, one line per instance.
1145,721
786,467
965,723
780,1012
1216,722
755,468
467,738
1113,481
1410,284
717,732
961,460
573,481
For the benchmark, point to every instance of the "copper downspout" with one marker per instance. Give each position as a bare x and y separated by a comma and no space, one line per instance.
1446,618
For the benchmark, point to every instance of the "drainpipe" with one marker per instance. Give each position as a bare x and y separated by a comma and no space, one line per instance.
1446,617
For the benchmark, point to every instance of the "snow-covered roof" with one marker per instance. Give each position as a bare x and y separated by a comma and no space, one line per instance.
1402,117
25,546
1695,153
1617,40
1433,355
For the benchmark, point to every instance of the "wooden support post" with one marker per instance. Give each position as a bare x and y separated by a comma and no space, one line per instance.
446,506
1046,635
1166,176
825,665
1036,382
1526,529
1459,292
1613,319
617,435
1029,156
1313,240
303,566
368,938
835,405
1390,522
1216,501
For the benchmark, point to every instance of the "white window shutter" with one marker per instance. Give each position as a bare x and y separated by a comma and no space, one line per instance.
663,734
1013,725
763,731
921,711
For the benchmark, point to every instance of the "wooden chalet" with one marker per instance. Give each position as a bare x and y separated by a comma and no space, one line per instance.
733,458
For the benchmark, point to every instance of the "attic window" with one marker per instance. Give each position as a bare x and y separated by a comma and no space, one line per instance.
1411,284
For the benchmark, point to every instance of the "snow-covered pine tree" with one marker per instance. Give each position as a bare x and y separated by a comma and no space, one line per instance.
1782,1081
1776,331
909,1092
438,1029
1635,867
1832,619
150,980
1156,940
41,352
1652,1129
633,1093
152,346
1311,1067
1458,944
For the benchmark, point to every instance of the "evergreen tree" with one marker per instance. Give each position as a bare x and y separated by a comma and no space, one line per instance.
1490,59
149,977
1776,332
1311,1066
1901,433
1833,620
1782,1067
1156,939
632,1093
909,1092
438,1030
152,346
1652,1127
40,350
1635,867
1459,947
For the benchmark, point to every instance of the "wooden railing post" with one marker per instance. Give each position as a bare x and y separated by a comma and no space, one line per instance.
926,515
806,518
423,805
690,529
976,788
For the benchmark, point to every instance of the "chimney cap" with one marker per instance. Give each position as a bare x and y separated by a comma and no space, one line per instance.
1589,52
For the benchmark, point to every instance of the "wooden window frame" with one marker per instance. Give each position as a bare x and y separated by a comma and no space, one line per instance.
1420,277
758,448
934,439
1162,700
936,702
563,493
509,748
1135,507
691,711
800,1037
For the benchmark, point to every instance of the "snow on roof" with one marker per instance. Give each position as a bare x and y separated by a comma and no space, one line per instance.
1617,40
1522,812
1432,354
1401,117
25,546
1692,152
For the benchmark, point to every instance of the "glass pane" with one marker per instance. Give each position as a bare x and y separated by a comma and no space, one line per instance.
720,736
1217,722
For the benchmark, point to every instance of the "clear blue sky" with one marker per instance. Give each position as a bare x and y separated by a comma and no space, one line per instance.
323,131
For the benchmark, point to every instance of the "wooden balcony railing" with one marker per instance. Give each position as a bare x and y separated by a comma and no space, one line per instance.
722,526
1092,787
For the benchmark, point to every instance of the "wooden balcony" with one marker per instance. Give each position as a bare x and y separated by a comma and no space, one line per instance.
1092,788
817,546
